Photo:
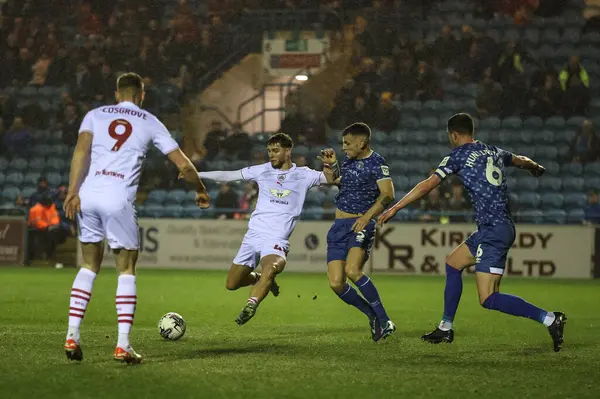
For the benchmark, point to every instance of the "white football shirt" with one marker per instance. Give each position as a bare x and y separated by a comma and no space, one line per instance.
281,195
122,134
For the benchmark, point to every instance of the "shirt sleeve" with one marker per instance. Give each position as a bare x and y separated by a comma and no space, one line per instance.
251,173
222,176
87,124
162,139
449,166
315,178
506,156
381,170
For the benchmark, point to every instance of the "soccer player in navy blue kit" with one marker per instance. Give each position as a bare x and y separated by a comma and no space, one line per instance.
366,190
481,169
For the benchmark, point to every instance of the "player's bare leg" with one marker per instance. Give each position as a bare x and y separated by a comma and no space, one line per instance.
490,297
126,300
459,259
271,266
355,263
240,276
336,273
81,293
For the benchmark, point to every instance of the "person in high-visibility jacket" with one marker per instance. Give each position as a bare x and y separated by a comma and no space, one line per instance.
44,218
573,68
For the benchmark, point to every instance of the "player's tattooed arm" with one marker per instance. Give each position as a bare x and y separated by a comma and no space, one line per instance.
331,168
522,162
418,192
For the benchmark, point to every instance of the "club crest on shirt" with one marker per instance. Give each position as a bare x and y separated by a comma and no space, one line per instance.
280,192
281,178
360,164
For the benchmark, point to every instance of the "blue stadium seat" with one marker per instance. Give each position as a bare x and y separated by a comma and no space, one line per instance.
552,200
153,210
571,170
400,182
315,198
10,193
552,168
591,38
592,183
503,138
555,123
176,197
261,138
301,150
547,152
14,179
2,178
173,211
418,167
550,184
531,36
551,36
410,123
28,191
54,179
28,92
531,216
490,123
58,150
312,213
481,135
545,137
575,216
512,122
55,164
575,122
529,200
575,200
592,170
555,216
156,197
429,123
193,212
573,184
533,122
18,164
527,136
3,163
432,105
527,183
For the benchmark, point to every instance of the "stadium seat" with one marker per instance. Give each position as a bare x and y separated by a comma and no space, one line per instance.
156,197
14,179
547,152
552,168
592,183
529,200
512,122
315,198
153,210
571,169
533,122
55,164
490,123
531,216
312,213
545,137
175,197
18,164
555,123
550,184
592,170
555,216
575,200
573,184
173,211
551,36
575,122
28,191
58,150
527,136
2,178
429,123
410,123
193,212
527,183
28,92
10,193
575,216
54,179
261,138
552,200
531,36
400,181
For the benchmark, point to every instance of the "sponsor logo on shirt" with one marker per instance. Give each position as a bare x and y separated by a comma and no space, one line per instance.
105,172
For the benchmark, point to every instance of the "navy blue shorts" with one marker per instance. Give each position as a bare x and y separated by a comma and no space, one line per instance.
490,245
341,238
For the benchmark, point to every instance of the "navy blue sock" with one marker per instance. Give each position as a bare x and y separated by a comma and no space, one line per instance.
515,306
351,297
452,292
367,288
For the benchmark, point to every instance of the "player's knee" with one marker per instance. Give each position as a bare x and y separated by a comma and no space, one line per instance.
354,273
337,283
269,271
487,300
232,285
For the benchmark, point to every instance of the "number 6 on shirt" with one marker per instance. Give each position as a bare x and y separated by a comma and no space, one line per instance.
121,138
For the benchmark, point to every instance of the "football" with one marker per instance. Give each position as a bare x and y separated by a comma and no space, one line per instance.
171,326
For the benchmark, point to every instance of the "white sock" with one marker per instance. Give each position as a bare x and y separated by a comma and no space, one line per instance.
126,300
253,300
549,319
445,325
81,293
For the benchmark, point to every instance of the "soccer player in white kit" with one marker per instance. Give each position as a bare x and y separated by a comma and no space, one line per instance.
282,190
105,172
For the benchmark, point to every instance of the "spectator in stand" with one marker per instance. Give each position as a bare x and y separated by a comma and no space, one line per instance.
43,189
363,44
8,109
294,122
81,85
592,210
445,48
576,99
2,132
388,115
45,222
341,112
585,146
457,203
214,139
18,139
70,123
40,69
489,99
24,67
427,85
510,63
300,161
547,100
248,200
238,145
315,131
362,111
227,199
386,76
538,78
573,68
88,23
431,204
474,64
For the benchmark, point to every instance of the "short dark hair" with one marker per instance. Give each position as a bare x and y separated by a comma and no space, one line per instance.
461,123
282,139
130,80
358,129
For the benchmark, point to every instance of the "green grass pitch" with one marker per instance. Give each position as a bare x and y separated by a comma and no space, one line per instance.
304,344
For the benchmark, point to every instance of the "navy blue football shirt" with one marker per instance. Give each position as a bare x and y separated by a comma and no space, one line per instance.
358,187
481,169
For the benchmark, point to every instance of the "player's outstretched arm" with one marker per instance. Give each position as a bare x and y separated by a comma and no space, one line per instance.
386,197
189,173
331,168
522,162
419,191
79,167
223,175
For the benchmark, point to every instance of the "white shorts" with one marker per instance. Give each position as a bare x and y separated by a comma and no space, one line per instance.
108,217
256,246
